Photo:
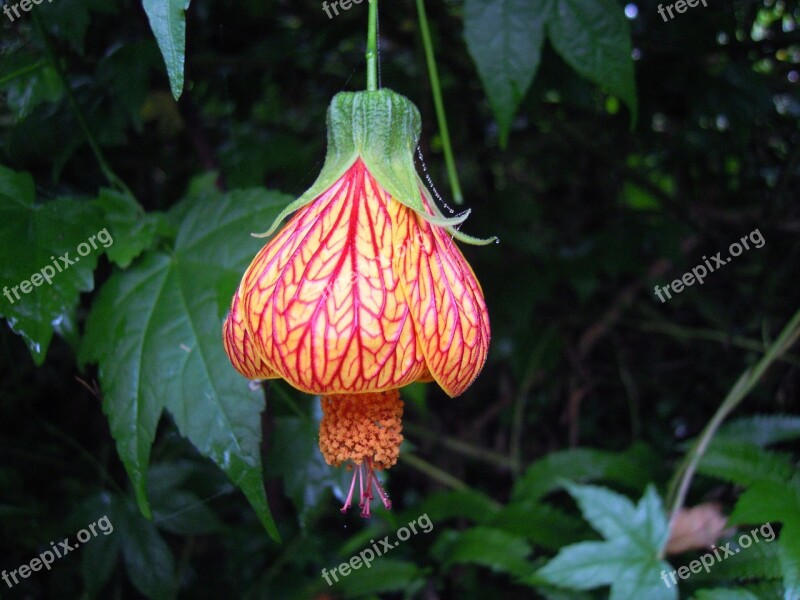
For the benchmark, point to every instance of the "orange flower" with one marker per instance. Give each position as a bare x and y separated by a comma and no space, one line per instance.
363,291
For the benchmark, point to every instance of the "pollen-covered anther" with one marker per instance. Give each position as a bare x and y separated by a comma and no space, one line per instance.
364,429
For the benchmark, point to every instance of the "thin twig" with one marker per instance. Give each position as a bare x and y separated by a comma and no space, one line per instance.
679,486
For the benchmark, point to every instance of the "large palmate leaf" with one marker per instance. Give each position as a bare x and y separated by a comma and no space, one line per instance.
155,331
628,558
168,21
133,229
41,270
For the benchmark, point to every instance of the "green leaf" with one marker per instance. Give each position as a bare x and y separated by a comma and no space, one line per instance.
148,559
505,38
614,516
69,19
132,230
496,549
155,331
593,37
28,82
581,464
760,561
176,509
789,554
541,524
125,73
589,565
767,501
35,237
99,558
761,430
744,464
168,22
384,575
468,503
294,452
628,559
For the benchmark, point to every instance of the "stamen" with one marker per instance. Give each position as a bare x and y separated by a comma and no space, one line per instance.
350,493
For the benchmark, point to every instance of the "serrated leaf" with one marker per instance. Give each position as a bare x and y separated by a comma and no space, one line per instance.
744,464
789,555
594,38
35,236
582,464
588,565
132,230
499,550
614,516
155,332
385,575
627,560
761,430
468,503
504,38
168,22
541,524
760,561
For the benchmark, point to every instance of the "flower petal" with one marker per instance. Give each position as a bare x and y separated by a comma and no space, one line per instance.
322,301
239,346
445,300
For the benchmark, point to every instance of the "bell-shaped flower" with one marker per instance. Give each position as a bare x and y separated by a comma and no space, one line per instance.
363,291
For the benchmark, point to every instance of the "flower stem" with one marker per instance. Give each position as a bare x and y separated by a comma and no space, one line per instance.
109,174
372,47
679,486
441,117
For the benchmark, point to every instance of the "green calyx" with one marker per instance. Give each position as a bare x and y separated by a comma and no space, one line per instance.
381,128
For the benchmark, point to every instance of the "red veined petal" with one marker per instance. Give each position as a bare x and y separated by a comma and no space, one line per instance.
239,346
322,300
445,299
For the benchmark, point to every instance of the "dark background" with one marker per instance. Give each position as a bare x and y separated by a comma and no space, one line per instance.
591,214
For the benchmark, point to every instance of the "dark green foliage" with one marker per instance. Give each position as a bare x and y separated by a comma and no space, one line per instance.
549,478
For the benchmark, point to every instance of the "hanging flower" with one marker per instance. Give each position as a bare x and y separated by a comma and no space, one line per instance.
363,291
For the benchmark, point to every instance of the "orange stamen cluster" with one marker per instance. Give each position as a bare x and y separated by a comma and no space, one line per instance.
361,427
365,430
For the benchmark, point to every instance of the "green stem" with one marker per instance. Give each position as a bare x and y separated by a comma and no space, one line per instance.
679,486
441,117
109,174
372,47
